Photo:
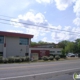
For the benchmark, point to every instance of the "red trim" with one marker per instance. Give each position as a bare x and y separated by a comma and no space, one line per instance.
15,34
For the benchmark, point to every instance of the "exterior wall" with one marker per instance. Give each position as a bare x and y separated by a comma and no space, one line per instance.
40,53
1,47
36,50
56,51
13,48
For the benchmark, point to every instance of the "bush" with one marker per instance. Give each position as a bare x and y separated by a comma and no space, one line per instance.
27,59
5,60
11,59
63,56
23,59
57,57
1,59
17,59
79,55
45,58
51,58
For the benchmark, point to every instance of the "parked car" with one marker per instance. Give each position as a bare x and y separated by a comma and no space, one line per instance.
70,55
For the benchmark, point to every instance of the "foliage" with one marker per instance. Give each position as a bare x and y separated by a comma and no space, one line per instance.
62,44
79,55
51,58
57,57
11,59
27,59
69,47
5,60
23,59
63,55
39,43
17,59
1,59
45,58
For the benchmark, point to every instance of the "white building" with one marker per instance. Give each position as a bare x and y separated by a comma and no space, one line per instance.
14,44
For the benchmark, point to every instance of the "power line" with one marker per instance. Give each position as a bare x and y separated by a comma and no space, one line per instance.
34,28
6,16
33,25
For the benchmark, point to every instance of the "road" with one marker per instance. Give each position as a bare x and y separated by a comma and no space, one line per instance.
10,71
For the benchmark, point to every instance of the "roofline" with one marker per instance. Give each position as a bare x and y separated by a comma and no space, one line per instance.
12,34
43,44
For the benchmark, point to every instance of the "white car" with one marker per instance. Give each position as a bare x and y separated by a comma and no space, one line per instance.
71,55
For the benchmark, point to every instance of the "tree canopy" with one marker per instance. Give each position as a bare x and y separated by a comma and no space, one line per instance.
67,46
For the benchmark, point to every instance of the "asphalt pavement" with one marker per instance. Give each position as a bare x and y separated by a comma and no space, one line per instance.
15,71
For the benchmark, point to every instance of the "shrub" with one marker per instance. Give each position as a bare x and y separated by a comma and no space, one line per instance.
5,60
51,58
1,59
79,55
27,59
63,56
11,59
57,57
45,58
23,59
17,59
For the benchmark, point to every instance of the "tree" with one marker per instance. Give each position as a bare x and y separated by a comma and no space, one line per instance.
69,47
42,42
62,44
77,46
33,43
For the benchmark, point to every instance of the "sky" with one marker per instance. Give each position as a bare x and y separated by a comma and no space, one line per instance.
48,20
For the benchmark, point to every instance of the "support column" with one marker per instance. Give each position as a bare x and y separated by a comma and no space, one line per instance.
4,48
30,48
29,52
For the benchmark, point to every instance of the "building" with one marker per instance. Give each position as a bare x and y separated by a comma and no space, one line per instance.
45,50
14,44
17,44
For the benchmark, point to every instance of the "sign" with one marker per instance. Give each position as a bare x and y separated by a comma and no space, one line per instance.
42,53
34,56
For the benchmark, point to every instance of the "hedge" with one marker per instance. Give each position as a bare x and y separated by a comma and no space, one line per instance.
51,58
45,58
11,59
57,57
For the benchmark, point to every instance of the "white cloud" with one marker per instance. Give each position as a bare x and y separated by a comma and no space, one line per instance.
36,24
44,1
33,23
77,8
43,34
63,4
72,34
77,21
44,39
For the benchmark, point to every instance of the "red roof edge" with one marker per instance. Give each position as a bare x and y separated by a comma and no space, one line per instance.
12,34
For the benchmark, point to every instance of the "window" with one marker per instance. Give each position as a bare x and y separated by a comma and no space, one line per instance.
52,51
1,53
58,51
1,39
24,41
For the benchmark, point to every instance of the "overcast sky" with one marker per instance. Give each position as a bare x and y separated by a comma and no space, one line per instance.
52,18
